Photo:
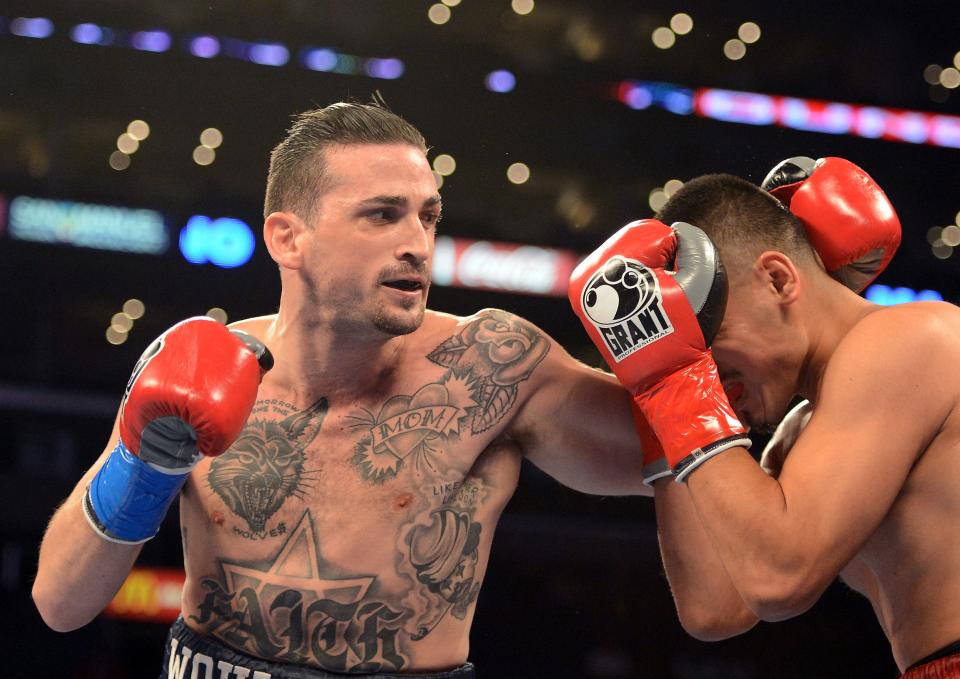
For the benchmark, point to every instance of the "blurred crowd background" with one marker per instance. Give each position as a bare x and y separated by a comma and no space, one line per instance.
134,140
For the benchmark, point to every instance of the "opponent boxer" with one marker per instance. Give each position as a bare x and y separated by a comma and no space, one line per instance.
348,527
869,489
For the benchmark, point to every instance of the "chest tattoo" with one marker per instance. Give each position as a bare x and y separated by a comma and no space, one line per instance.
266,464
485,361
298,608
413,427
440,551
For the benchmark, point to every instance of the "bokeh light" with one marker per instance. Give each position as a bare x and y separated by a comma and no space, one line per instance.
444,164
748,32
211,138
681,23
518,173
439,14
663,38
734,49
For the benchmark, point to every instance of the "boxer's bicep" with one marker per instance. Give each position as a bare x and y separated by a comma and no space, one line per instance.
881,402
577,426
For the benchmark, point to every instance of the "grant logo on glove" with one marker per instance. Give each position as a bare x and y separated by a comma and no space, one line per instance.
623,301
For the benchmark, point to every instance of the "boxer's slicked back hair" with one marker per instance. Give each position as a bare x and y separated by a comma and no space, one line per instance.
740,218
297,174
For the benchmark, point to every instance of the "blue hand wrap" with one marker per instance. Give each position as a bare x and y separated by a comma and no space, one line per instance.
128,498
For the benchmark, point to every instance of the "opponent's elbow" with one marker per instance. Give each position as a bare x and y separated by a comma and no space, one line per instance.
710,623
56,610
779,596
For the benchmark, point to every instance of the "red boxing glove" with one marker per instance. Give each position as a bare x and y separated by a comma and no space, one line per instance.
190,394
654,459
652,324
849,220
197,375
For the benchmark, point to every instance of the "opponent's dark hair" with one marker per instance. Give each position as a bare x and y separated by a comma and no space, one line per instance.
740,218
296,177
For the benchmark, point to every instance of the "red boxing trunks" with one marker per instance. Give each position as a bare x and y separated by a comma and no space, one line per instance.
943,664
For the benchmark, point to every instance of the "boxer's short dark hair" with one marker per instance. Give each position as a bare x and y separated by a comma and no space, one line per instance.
740,218
296,177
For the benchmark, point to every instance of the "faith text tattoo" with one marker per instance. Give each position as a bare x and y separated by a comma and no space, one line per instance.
298,608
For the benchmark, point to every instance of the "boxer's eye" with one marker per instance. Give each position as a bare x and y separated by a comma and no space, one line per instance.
383,215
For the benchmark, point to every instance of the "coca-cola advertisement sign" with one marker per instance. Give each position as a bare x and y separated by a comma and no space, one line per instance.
510,267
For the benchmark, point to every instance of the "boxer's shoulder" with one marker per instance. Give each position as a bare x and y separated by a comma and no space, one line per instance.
915,327
489,319
896,350
257,326
493,341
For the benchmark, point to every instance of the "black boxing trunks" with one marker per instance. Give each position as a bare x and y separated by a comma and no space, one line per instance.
942,664
188,655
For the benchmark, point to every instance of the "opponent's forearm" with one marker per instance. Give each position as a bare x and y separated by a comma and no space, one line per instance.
767,550
709,606
78,571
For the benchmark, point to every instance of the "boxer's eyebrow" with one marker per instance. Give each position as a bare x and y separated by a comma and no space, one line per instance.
400,201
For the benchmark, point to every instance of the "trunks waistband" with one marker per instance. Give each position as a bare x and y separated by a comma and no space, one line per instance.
188,655
948,650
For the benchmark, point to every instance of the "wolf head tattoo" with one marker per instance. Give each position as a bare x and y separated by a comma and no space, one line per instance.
265,465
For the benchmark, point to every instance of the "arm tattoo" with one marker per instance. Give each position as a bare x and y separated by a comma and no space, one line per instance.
499,350
265,465
486,361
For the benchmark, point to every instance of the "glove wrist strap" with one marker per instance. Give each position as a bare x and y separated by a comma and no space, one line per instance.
657,469
684,467
128,497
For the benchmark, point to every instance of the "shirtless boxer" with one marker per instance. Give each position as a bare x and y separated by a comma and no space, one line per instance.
348,527
870,490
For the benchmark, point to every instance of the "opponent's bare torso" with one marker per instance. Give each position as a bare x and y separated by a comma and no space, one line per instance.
354,536
908,567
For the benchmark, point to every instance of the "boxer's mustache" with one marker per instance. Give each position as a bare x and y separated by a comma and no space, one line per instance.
422,272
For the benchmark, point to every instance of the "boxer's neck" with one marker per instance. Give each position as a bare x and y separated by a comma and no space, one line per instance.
829,313
315,359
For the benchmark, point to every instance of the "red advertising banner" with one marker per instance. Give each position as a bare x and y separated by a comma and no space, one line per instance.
505,267
149,595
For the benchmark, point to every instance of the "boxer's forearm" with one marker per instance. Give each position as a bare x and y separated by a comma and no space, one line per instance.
708,604
769,549
78,572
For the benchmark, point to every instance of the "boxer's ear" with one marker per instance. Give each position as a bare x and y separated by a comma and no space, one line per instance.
280,234
779,276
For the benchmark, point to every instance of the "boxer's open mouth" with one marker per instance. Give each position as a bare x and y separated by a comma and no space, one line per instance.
405,284
734,391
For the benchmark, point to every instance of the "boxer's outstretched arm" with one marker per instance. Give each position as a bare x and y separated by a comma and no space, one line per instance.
577,426
78,572
882,400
